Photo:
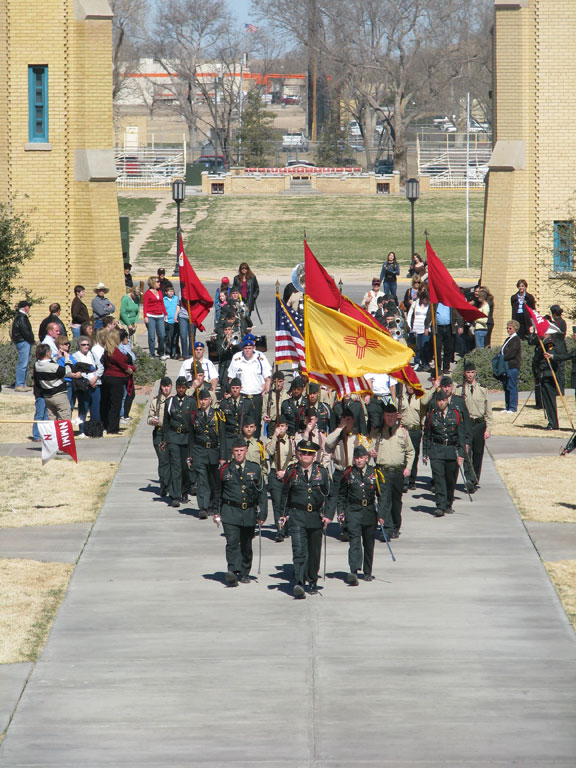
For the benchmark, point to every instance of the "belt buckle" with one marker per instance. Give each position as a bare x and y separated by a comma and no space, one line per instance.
244,505
309,507
208,445
364,502
179,430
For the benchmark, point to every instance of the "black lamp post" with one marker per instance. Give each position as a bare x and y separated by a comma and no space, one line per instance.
178,195
412,194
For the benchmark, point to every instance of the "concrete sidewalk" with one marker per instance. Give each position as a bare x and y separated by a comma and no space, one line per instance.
458,654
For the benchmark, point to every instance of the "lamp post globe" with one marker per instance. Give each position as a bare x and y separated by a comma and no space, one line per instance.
412,194
178,195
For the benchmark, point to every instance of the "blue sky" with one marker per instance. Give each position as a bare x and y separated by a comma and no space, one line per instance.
241,9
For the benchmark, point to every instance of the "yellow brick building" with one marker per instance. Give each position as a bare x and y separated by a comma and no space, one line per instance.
529,230
56,144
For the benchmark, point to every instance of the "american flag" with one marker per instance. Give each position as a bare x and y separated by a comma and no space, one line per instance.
290,348
250,27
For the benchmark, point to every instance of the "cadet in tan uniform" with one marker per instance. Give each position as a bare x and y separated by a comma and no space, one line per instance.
395,455
480,410
413,412
340,443
269,409
156,420
257,454
281,452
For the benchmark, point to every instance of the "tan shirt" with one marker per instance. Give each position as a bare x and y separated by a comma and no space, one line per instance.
395,448
157,409
272,410
414,409
257,454
342,451
287,451
477,402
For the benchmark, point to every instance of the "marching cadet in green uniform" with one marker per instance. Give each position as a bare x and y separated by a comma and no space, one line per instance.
198,384
155,419
445,444
413,411
312,406
480,410
394,457
241,483
281,453
175,434
361,498
257,454
291,406
269,415
304,492
236,410
206,451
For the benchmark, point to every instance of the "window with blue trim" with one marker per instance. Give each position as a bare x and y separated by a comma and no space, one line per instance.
563,246
38,104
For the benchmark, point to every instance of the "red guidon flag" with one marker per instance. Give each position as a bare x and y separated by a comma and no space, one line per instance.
197,300
57,436
444,290
542,325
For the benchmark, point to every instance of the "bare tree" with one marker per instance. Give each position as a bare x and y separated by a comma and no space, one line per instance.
396,57
128,34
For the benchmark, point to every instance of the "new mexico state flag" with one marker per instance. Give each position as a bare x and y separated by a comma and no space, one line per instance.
336,343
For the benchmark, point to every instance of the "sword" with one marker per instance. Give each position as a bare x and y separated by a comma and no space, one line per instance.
324,530
259,548
257,312
465,483
388,543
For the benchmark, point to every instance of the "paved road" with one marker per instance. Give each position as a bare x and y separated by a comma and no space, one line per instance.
459,654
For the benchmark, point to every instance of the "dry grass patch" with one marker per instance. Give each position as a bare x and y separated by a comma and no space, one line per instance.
550,501
563,576
532,422
16,407
59,492
30,594
13,408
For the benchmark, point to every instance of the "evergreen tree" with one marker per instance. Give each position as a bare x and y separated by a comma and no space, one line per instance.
256,137
17,243
331,148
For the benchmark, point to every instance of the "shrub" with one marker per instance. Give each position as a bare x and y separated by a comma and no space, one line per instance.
148,369
483,361
8,360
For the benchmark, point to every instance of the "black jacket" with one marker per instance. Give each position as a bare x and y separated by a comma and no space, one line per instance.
252,290
46,322
21,329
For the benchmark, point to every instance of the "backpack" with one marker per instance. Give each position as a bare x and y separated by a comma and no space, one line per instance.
93,428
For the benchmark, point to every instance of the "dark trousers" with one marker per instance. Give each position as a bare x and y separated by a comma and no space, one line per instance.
275,489
306,552
444,346
444,474
416,438
361,548
206,476
179,472
111,403
239,547
257,401
549,395
172,339
476,454
392,493
163,461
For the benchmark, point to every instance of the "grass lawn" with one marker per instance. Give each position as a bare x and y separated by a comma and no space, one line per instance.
345,232
138,209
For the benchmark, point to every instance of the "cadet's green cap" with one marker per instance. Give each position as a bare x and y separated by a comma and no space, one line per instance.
360,451
307,446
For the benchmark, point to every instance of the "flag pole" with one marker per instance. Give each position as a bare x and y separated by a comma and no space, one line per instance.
276,390
180,249
555,380
434,342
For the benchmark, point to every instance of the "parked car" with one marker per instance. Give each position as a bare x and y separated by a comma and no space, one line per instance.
384,167
354,128
212,161
290,99
299,164
295,140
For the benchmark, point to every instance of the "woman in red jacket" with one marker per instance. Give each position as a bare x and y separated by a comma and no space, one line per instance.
117,372
155,316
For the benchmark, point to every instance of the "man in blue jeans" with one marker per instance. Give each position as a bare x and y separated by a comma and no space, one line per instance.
23,338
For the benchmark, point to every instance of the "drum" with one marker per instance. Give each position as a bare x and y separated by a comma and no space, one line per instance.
261,343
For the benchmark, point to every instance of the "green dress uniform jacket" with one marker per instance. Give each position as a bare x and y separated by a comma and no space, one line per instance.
290,409
176,433
303,500
241,488
235,413
361,497
444,441
207,447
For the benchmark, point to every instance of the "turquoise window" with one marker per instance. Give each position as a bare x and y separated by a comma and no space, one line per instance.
563,246
38,103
